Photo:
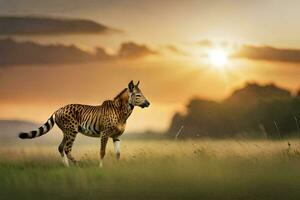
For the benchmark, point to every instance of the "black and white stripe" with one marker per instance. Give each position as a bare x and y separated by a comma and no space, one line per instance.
40,131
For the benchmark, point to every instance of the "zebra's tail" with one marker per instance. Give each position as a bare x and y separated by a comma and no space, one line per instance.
39,132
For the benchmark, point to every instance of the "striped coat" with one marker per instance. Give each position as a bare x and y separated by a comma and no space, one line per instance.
105,121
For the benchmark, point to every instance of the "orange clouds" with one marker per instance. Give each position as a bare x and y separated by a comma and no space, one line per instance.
268,53
131,50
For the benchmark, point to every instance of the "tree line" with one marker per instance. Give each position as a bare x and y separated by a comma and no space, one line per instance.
254,111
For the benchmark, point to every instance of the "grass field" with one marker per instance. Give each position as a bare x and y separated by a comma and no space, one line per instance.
228,169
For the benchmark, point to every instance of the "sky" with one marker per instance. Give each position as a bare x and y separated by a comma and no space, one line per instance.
86,51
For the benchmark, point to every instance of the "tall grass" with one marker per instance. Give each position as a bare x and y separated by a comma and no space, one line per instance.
207,169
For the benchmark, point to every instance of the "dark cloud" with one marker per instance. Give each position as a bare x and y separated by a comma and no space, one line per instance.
176,50
130,50
30,53
25,25
26,53
268,54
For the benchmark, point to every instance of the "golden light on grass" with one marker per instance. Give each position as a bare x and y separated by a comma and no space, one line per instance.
218,58
194,166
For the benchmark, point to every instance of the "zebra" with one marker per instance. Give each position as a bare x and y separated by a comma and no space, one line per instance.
103,121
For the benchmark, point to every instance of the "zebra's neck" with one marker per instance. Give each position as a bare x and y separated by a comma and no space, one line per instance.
123,104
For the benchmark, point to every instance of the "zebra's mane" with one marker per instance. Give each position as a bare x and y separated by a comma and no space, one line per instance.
120,94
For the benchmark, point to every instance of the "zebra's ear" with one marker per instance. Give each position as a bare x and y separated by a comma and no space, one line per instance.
137,84
131,86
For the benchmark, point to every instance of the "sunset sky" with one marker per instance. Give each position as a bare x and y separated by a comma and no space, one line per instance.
177,49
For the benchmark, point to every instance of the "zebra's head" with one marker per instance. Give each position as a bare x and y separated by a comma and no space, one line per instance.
136,97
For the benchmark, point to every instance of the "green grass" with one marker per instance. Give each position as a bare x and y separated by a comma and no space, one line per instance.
156,170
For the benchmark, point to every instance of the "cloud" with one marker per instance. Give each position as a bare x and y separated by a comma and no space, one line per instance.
205,43
26,53
268,53
30,53
26,25
176,50
132,50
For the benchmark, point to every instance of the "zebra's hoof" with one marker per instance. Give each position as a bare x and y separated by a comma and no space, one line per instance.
65,161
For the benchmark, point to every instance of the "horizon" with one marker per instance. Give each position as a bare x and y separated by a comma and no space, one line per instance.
293,94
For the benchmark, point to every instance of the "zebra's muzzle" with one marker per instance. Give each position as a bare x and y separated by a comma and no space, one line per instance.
145,104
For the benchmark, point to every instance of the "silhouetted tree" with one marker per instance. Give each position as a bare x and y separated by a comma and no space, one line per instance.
253,111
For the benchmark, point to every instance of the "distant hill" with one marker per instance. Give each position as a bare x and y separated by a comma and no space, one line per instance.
9,129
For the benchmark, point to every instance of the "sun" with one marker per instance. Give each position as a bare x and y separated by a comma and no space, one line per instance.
218,58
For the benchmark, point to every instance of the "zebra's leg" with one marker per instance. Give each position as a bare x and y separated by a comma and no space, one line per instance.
61,151
104,140
117,147
68,146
